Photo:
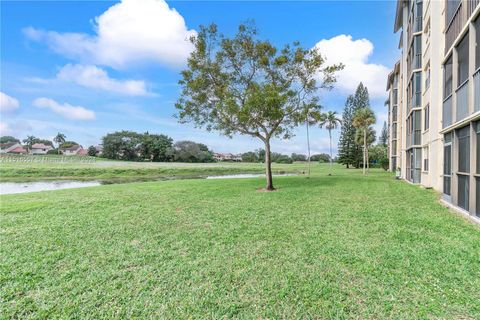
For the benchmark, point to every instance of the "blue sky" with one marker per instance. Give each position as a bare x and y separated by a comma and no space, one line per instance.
89,68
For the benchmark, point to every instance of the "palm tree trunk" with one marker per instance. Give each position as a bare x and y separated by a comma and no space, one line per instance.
364,150
368,161
331,159
308,147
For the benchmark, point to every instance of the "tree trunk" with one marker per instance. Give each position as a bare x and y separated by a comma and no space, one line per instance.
308,147
331,156
348,155
364,150
268,167
368,161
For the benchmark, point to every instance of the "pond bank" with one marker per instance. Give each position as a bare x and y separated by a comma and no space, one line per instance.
47,185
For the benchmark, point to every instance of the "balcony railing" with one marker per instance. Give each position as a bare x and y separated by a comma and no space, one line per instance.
454,27
471,5
447,112
462,102
476,91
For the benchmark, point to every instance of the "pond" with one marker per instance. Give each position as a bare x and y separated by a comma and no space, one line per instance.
24,187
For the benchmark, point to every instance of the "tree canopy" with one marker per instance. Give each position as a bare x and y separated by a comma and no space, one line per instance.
189,151
7,139
384,135
350,152
243,85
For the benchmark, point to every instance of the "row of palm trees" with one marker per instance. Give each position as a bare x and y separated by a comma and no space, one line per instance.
328,120
363,119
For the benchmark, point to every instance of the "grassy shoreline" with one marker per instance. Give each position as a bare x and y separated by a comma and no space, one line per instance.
133,171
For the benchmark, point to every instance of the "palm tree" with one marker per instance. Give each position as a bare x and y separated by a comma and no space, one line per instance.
371,136
312,116
29,141
59,139
330,121
362,120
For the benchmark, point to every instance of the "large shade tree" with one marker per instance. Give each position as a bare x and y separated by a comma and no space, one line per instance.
243,85
330,121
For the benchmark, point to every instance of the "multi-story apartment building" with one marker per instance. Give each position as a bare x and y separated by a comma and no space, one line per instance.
434,99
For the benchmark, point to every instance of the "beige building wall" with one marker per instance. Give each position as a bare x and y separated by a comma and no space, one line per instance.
428,115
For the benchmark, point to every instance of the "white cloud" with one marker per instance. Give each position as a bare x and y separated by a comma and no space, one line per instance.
354,54
93,77
7,103
65,110
132,31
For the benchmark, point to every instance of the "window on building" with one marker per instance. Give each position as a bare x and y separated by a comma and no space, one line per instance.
464,149
478,148
427,76
417,80
478,197
447,164
447,72
462,58
418,165
417,127
463,191
451,7
426,124
417,52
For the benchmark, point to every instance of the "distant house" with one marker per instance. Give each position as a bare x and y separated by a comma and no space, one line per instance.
12,148
75,150
8,147
40,148
226,157
18,150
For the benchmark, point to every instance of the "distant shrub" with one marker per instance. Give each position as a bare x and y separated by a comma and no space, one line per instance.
283,159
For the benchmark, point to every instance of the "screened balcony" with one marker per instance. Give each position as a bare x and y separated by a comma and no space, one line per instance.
447,112
462,102
476,91
417,24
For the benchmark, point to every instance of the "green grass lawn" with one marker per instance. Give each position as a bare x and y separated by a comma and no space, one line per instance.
341,246
109,170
